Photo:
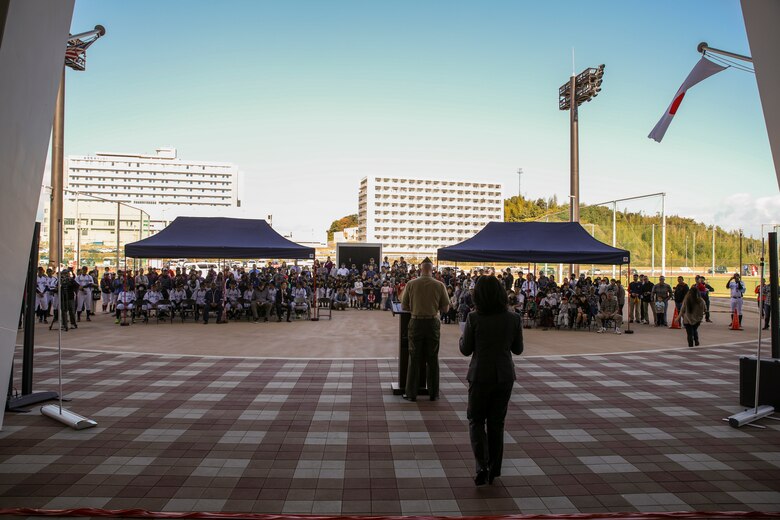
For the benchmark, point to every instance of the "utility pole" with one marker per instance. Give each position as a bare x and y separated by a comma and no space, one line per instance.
579,89
739,269
519,183
663,234
76,59
713,249
614,230
652,250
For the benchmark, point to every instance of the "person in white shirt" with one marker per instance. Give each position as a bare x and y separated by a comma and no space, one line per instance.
125,301
359,294
141,279
562,321
232,294
42,296
84,295
248,299
736,288
151,298
199,296
271,298
176,296
300,298
529,288
53,290
343,271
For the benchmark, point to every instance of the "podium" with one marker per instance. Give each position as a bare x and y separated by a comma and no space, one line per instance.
399,388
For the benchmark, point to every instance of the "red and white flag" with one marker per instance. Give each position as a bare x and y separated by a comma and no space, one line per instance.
703,70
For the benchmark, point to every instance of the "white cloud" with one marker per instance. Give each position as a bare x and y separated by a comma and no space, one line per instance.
742,210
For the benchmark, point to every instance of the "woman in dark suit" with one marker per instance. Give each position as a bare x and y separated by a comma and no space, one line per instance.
491,336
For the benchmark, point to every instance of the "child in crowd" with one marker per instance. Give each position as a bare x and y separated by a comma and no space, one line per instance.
659,311
563,314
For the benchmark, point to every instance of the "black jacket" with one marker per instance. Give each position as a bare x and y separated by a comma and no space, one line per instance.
287,297
491,340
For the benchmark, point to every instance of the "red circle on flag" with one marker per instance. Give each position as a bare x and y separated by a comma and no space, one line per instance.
676,103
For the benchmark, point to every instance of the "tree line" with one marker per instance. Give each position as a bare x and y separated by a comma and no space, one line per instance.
635,233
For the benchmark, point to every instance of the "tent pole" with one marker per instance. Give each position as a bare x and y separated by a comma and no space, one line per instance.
628,277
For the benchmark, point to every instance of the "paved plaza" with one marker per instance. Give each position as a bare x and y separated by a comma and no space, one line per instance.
360,334
633,431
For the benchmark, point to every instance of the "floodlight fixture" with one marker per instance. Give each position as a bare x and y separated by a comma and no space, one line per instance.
580,88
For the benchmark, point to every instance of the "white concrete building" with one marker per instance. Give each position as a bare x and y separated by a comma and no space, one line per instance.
150,191
155,183
415,217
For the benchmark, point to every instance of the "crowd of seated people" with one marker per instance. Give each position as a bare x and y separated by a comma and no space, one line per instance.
286,292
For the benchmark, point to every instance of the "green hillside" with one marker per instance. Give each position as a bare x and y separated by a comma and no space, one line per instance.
634,232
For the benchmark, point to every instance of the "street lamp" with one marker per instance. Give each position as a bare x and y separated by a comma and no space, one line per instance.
76,59
580,88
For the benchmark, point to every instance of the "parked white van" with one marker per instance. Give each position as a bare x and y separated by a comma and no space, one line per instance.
201,266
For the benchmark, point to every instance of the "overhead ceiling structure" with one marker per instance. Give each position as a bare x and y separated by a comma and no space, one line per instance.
761,23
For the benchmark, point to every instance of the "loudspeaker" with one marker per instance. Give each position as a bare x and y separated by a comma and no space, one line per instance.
769,385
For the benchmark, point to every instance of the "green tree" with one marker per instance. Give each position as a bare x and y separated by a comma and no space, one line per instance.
634,233
341,224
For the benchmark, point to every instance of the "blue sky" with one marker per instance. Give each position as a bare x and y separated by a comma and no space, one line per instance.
308,97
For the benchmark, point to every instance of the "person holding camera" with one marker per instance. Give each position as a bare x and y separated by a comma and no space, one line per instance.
736,287
492,334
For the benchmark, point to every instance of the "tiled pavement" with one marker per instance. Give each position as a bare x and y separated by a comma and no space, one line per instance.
618,432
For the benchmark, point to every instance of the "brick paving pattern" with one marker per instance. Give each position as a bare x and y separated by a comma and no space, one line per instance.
617,432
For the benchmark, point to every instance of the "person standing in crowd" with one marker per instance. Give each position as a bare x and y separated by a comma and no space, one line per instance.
53,289
680,292
42,296
141,279
648,307
737,290
704,291
620,295
692,313
426,298
662,292
762,297
634,300
491,336
84,296
68,290
508,279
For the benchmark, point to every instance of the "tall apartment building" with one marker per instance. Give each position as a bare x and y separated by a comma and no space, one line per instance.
153,182
152,189
415,217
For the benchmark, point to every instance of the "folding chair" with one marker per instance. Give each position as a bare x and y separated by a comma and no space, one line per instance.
325,309
168,310
187,307
301,306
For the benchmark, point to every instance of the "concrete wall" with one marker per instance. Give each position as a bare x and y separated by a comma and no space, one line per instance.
32,53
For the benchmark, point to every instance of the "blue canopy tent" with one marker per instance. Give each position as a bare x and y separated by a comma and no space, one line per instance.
217,237
554,242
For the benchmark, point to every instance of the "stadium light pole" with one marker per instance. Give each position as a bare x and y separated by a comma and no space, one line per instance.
519,183
76,59
579,89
